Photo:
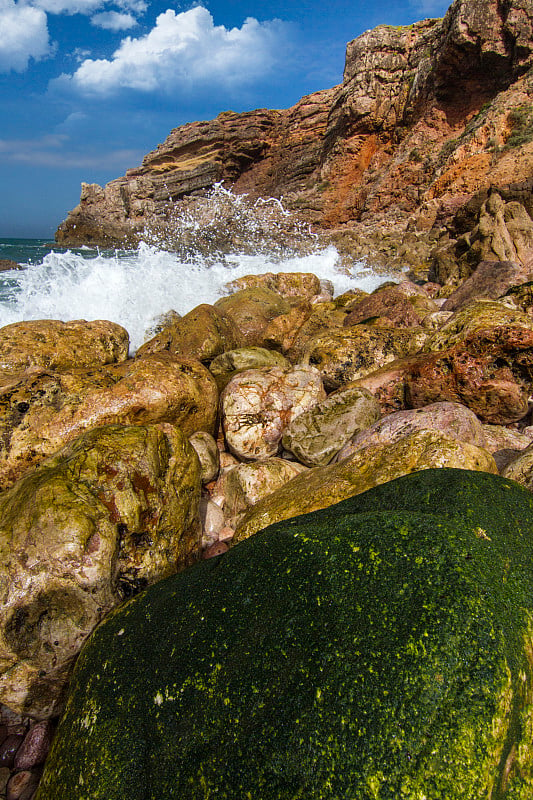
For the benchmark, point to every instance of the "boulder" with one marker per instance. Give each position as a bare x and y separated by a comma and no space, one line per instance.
292,286
491,280
452,419
387,384
479,320
203,333
114,511
490,373
291,332
378,463
520,469
505,444
245,485
251,310
208,454
258,404
379,648
41,411
344,355
57,345
226,365
392,306
317,435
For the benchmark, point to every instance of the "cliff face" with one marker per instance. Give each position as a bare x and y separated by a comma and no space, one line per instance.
426,116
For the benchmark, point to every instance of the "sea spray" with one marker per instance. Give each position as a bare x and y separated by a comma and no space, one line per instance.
187,261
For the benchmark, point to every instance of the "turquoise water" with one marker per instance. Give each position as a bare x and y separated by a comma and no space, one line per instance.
32,251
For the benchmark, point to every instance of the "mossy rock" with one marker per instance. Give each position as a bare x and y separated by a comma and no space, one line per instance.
375,650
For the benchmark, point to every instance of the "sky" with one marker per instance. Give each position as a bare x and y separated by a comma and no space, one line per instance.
88,87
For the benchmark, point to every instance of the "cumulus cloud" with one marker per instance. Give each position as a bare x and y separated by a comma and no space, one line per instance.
183,52
113,21
24,35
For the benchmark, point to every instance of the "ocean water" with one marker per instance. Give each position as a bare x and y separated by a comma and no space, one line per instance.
188,263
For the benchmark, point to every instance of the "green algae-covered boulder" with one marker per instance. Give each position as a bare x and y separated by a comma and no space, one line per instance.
375,650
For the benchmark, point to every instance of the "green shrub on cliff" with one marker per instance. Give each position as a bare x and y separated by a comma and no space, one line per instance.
375,650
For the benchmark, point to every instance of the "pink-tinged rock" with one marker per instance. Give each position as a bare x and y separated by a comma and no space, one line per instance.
57,345
257,406
490,372
392,305
491,280
453,419
22,785
35,747
505,444
212,519
216,549
387,384
520,469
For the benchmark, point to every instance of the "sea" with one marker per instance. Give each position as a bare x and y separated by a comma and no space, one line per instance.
191,261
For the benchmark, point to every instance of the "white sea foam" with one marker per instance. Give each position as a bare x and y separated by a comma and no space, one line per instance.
135,288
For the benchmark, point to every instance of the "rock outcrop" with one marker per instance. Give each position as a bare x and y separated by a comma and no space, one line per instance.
426,116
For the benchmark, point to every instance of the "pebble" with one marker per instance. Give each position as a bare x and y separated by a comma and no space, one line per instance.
215,550
35,746
22,785
8,749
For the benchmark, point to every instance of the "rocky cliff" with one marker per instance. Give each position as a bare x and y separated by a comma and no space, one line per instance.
427,117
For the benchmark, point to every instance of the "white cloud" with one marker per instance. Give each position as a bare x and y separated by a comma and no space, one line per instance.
89,6
69,6
113,21
52,151
183,52
24,35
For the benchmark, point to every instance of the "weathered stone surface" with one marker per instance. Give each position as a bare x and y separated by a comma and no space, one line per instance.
345,355
317,435
321,487
53,344
113,511
490,371
7,264
491,280
392,307
480,320
520,469
224,366
290,285
452,419
208,454
42,411
403,613
203,333
36,744
281,332
257,405
251,310
243,486
388,384
323,318
505,444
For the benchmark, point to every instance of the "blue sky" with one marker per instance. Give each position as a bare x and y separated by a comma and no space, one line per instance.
87,87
